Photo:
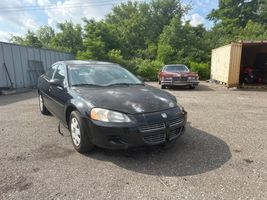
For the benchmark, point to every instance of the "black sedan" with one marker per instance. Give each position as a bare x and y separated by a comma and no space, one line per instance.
105,105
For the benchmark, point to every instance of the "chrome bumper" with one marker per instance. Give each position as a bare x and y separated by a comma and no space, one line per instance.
179,83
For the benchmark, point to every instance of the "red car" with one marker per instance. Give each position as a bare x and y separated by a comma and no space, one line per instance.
177,75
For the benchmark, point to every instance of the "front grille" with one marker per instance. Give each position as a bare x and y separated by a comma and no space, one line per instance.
175,133
152,127
155,138
179,78
176,78
176,122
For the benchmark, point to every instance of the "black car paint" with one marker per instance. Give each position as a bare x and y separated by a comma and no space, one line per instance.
127,99
137,101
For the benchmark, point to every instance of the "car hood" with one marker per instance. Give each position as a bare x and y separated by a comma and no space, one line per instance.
184,74
127,99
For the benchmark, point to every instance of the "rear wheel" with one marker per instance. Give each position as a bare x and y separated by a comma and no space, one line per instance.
79,137
163,86
42,107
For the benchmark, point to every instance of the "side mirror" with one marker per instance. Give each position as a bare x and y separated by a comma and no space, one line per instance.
56,82
141,78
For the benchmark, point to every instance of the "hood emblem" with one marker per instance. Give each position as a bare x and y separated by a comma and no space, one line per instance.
164,115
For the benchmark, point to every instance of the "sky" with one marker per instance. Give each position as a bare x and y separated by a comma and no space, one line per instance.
18,16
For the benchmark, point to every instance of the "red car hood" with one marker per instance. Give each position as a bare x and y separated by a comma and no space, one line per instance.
183,74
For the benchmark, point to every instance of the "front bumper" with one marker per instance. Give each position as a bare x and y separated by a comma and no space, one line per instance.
147,130
180,83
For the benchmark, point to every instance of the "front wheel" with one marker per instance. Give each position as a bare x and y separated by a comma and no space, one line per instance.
163,87
192,86
42,107
80,140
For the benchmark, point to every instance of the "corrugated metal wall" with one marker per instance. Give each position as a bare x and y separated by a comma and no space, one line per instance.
235,61
220,63
16,58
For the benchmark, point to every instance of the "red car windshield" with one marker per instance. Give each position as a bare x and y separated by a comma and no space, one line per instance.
176,68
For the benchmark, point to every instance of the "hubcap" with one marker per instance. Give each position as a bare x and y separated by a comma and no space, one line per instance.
41,103
75,131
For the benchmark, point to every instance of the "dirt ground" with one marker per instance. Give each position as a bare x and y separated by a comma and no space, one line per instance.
223,154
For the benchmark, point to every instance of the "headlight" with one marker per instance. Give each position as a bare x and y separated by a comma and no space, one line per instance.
105,115
180,106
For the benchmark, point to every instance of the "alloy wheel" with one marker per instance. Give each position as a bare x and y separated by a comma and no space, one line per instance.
75,132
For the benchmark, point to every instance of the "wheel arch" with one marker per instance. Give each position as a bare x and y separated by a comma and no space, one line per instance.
68,111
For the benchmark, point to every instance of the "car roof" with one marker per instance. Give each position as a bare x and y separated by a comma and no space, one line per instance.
84,62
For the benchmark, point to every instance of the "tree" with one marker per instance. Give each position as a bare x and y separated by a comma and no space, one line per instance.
129,22
235,12
99,39
45,35
139,25
254,31
69,37
30,39
16,39
162,12
180,43
235,18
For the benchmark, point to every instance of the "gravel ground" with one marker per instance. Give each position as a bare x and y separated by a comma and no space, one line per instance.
223,154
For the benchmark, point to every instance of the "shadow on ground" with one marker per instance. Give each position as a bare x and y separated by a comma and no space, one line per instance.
13,98
200,87
194,153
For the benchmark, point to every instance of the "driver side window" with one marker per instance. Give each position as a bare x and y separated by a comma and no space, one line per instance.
50,72
60,73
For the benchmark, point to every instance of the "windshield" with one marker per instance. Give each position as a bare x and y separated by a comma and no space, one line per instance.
176,68
101,75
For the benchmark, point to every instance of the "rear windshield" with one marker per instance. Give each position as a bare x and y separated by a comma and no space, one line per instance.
176,68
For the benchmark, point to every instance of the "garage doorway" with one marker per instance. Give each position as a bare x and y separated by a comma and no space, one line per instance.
253,68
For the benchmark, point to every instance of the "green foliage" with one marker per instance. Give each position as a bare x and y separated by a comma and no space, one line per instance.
139,25
165,53
254,31
148,69
115,56
45,35
202,69
30,39
181,43
69,38
99,39
238,20
143,36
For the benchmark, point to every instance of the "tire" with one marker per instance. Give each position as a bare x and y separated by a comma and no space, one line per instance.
163,87
192,86
79,137
42,107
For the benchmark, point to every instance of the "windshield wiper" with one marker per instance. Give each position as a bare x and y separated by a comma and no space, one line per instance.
86,84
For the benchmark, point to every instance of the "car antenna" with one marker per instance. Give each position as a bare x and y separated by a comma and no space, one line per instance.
59,130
